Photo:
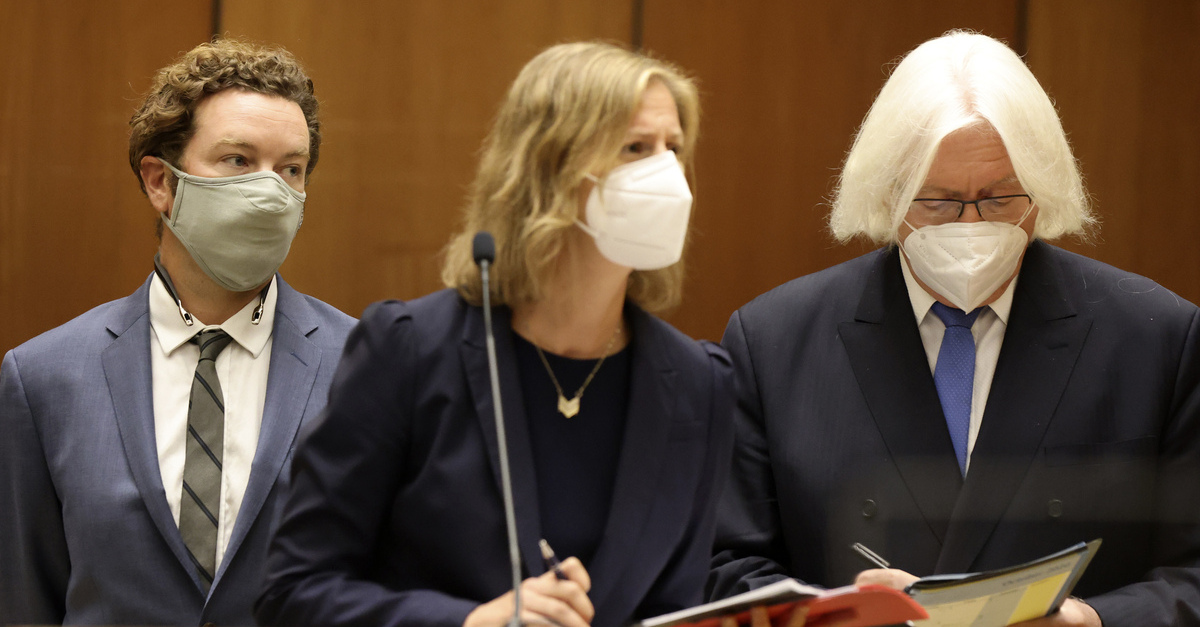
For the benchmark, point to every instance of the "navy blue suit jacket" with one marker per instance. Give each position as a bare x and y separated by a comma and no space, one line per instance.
86,535
395,515
1091,430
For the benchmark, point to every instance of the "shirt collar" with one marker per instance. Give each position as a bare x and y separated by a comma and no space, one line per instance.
922,301
173,332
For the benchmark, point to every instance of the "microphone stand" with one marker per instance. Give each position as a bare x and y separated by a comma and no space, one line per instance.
484,251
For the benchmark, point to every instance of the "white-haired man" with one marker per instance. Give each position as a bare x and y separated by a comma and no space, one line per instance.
968,397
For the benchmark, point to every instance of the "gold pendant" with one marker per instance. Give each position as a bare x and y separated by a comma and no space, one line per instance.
566,407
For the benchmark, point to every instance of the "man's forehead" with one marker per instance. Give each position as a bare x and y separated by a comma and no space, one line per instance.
999,182
243,119
231,141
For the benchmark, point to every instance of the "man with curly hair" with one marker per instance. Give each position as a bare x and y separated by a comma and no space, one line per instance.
145,443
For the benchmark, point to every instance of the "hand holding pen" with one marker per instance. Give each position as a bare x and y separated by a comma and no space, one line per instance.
883,574
556,597
551,560
1073,612
871,556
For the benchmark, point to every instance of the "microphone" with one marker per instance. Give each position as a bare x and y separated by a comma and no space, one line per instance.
483,249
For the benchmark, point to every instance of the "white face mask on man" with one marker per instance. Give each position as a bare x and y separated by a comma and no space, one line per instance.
966,262
238,229
639,216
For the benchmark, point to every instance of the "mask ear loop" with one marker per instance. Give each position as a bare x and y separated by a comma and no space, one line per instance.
598,189
1025,216
598,182
915,231
586,229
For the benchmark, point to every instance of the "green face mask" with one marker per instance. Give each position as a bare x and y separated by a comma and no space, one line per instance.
238,229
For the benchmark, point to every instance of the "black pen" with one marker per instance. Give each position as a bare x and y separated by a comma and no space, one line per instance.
551,559
870,556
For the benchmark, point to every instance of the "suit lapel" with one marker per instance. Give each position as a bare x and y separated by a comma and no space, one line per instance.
1041,344
293,369
889,363
651,408
126,365
473,351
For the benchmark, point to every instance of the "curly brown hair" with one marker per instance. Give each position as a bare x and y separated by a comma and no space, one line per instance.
163,124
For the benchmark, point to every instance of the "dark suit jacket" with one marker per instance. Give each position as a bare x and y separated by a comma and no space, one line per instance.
86,535
396,517
1092,429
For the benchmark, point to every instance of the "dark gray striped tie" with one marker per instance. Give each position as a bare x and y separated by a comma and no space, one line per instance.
200,504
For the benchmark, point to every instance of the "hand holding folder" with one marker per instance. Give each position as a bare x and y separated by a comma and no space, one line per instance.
1029,594
1007,596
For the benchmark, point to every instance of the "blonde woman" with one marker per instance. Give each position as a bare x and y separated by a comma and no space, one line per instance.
619,427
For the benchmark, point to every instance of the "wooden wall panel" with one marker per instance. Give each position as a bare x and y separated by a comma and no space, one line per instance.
408,90
784,86
75,230
1123,74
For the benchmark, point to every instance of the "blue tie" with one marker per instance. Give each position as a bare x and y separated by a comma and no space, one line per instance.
954,375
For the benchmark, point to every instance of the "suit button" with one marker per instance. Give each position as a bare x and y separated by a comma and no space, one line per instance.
869,508
209,625
1054,508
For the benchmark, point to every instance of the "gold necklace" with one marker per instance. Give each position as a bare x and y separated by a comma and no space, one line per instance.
570,407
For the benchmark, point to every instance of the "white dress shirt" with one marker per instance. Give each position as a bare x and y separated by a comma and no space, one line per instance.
988,331
242,369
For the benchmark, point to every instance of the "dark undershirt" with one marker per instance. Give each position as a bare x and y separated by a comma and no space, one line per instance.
574,460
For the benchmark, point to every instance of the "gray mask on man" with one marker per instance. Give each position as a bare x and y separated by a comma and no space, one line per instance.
238,229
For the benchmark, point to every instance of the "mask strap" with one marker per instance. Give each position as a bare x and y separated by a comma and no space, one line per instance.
178,174
598,190
166,279
599,187
1025,216
587,229
900,242
256,317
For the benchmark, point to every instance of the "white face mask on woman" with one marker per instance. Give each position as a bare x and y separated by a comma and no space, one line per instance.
238,229
966,262
639,216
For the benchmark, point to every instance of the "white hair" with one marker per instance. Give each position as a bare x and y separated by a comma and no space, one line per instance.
955,81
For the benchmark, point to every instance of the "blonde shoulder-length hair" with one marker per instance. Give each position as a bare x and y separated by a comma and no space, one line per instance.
959,80
566,115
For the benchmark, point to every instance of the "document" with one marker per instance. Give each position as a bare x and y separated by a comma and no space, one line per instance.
1002,597
863,606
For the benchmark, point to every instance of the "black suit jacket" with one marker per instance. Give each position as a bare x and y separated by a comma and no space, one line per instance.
1092,429
396,515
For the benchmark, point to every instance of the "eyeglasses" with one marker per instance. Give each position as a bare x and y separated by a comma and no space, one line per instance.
1009,208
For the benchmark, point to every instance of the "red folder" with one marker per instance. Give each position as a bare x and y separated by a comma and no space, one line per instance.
854,606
